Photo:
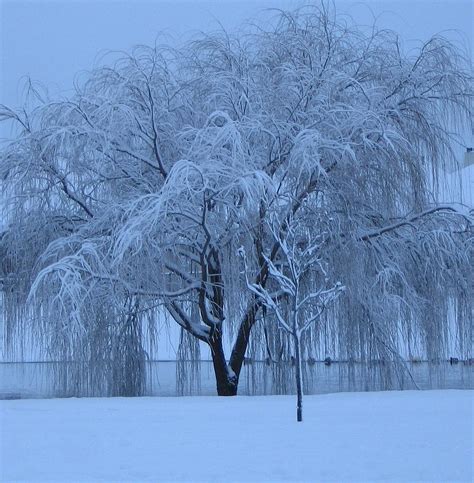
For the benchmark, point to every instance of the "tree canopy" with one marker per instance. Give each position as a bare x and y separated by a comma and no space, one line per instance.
127,203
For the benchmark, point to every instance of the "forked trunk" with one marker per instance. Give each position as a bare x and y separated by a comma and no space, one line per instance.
226,379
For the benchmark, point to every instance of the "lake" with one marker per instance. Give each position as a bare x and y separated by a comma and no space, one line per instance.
37,379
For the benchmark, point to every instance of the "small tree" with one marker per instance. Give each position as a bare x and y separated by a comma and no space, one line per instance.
300,278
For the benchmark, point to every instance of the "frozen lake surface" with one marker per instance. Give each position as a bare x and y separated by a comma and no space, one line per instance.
358,437
37,380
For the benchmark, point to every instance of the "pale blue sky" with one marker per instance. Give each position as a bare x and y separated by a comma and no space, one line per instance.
53,40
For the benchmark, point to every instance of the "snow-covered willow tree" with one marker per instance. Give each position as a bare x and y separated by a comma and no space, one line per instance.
127,202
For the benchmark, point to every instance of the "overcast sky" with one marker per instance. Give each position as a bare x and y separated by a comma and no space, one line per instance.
52,41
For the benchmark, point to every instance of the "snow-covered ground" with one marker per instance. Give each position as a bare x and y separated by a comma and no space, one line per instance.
389,436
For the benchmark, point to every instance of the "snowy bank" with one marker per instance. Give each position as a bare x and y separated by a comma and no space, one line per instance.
390,436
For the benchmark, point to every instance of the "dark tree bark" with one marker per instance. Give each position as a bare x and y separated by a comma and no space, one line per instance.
226,379
242,341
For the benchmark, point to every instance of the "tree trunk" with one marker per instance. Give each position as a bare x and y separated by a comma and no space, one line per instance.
226,380
299,379
242,341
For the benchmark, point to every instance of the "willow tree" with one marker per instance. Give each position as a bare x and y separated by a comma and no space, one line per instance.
127,202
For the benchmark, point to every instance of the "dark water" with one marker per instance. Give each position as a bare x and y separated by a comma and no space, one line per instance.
37,380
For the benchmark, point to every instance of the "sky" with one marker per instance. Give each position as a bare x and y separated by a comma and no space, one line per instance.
53,41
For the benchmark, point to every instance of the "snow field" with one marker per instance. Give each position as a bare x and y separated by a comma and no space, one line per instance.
384,436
